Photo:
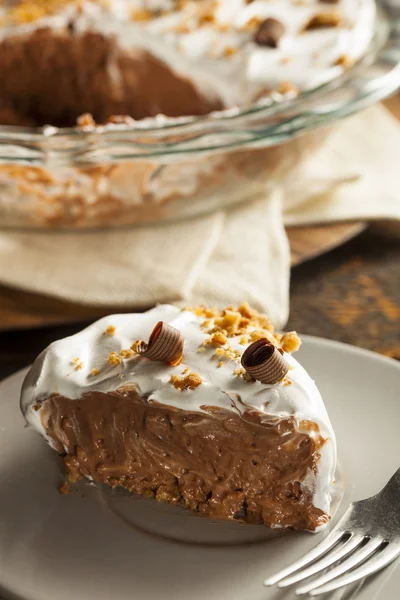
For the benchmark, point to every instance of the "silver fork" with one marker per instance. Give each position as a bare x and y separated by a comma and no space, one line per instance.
365,540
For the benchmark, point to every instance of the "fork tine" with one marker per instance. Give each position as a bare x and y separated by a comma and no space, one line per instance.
349,563
374,564
328,560
335,535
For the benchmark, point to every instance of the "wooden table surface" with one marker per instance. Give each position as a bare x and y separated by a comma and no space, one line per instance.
351,294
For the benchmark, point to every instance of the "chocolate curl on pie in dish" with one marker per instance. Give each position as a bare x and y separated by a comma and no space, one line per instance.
264,362
165,344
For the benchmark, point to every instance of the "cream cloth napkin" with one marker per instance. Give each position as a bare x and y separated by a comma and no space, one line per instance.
356,174
217,259
237,254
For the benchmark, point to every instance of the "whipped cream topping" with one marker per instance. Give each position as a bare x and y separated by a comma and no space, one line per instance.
215,40
84,362
226,45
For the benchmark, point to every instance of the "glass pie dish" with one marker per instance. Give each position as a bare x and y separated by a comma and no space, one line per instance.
163,169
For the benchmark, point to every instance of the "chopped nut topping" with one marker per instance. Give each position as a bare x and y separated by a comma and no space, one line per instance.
222,26
217,339
242,321
95,372
220,364
344,61
135,346
32,10
324,19
210,313
187,308
206,19
230,51
182,28
74,361
290,342
110,330
227,353
127,353
258,334
86,120
239,372
141,15
246,319
203,311
248,377
190,382
252,24
114,359
229,321
264,322
286,87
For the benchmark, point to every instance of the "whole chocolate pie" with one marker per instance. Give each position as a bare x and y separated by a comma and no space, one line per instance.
129,75
141,58
201,408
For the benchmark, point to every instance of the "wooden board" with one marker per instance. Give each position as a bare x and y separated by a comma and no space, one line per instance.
22,310
393,104
309,242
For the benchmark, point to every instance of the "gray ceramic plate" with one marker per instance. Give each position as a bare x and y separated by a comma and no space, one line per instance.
55,547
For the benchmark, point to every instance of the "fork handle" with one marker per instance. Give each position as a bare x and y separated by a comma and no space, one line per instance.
392,488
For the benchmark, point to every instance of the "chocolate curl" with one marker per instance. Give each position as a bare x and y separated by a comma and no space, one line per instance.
264,362
269,33
165,344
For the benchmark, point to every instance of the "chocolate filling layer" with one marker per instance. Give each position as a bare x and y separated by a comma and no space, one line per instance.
218,463
52,77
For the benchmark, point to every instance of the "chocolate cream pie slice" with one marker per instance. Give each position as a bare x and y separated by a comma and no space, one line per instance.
201,408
